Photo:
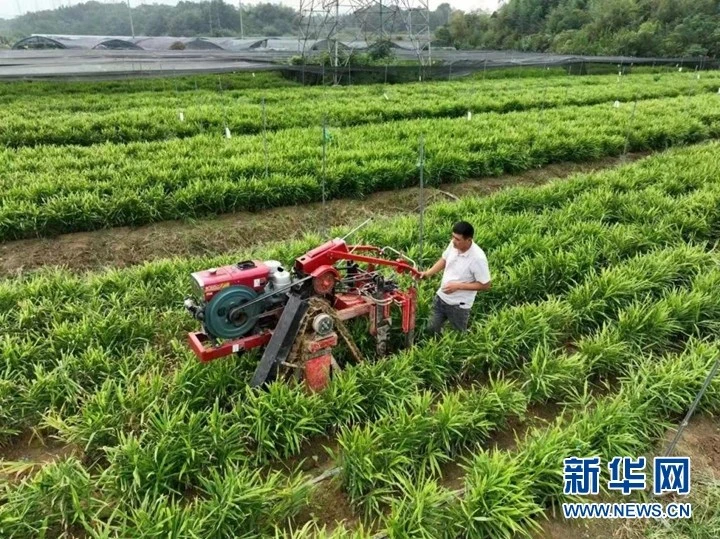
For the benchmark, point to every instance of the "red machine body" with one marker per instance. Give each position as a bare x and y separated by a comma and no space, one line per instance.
335,250
362,292
213,280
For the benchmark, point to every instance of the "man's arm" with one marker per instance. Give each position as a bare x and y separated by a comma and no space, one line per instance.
438,266
474,286
481,274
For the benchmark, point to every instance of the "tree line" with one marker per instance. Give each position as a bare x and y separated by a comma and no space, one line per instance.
594,27
213,18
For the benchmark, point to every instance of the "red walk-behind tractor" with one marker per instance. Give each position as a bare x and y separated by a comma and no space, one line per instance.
298,316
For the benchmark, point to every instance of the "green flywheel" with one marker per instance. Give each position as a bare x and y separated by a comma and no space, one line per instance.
226,318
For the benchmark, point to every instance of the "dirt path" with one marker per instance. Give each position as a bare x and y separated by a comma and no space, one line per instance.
124,246
30,453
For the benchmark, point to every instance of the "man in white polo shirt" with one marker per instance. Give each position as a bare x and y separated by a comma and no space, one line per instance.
465,272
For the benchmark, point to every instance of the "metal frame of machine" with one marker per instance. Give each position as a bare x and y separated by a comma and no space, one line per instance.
299,318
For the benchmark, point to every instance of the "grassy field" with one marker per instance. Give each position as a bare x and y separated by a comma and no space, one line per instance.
600,328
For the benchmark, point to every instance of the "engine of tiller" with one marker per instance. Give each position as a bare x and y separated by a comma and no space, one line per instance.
299,316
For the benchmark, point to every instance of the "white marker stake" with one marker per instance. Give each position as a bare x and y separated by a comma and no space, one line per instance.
253,73
182,116
227,132
386,97
469,116
617,104
680,70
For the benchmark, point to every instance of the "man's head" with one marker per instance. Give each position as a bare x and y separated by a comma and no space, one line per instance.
462,235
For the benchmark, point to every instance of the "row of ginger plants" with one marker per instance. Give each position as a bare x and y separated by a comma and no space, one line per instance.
409,443
64,189
89,119
185,430
111,330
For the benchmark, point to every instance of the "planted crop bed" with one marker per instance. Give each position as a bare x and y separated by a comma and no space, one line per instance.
12,91
607,279
147,116
50,190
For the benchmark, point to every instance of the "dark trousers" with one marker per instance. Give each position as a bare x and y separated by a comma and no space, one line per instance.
441,311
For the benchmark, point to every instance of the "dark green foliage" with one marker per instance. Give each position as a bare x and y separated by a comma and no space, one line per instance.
603,27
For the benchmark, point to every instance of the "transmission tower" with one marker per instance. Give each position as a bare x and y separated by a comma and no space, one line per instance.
339,27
